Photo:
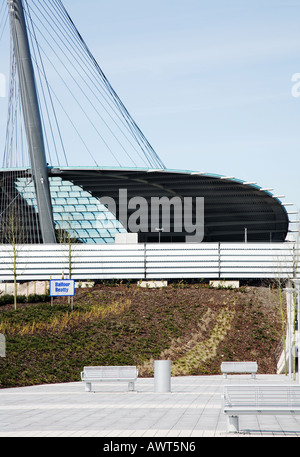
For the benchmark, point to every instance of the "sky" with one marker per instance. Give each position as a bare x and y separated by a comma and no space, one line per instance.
212,84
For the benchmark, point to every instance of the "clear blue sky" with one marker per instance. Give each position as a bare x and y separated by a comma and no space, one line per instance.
208,82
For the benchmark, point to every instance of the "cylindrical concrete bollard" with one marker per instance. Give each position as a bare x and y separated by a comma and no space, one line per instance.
162,375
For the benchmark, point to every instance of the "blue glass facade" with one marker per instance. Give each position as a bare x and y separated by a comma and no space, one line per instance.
76,211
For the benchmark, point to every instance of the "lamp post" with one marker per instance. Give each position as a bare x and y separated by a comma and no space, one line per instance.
289,292
159,230
297,284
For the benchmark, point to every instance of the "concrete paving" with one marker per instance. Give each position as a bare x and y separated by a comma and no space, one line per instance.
193,408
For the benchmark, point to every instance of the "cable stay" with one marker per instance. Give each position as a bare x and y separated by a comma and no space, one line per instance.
81,112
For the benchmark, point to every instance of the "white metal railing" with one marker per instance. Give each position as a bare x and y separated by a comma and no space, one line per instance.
150,260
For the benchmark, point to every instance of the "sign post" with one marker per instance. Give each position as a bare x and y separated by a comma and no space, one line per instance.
62,288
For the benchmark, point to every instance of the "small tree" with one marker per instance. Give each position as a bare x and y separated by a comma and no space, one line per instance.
65,237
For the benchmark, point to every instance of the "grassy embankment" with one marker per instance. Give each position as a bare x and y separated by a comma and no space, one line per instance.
193,325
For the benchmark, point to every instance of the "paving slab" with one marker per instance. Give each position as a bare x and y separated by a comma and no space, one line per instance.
193,408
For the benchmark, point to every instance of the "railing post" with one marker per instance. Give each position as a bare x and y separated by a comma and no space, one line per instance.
145,260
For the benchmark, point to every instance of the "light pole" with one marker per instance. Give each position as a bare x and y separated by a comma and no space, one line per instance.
159,230
297,284
289,292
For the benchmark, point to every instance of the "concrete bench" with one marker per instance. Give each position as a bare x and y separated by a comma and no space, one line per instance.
239,367
109,373
259,399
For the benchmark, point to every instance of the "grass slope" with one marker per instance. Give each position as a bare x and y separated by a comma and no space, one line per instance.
193,325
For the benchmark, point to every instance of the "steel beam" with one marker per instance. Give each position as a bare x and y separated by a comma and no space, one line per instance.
32,119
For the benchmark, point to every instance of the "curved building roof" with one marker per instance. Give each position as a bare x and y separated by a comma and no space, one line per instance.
230,205
233,208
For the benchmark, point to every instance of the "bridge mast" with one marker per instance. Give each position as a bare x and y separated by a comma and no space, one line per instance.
32,119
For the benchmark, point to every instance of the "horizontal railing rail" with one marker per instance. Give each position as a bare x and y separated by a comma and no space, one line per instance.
150,261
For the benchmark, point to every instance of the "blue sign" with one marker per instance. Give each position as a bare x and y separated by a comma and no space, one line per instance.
62,288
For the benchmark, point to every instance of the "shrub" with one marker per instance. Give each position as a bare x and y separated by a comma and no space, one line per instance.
8,299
